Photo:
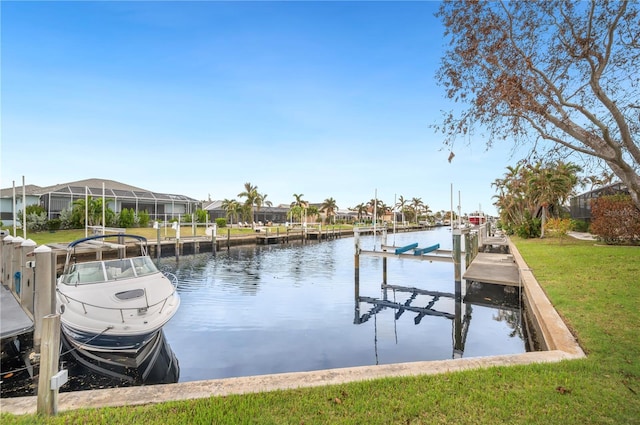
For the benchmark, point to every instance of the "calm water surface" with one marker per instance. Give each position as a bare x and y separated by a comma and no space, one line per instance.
282,308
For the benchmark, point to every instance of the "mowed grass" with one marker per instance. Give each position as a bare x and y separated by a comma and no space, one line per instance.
595,288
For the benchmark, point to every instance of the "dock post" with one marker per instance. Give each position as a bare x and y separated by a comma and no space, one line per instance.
467,249
44,291
7,261
26,275
214,239
474,247
158,244
7,253
458,345
457,254
228,239
48,397
356,264
15,264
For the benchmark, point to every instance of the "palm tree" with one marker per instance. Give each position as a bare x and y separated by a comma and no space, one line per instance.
260,201
416,205
330,207
232,207
402,203
252,195
550,185
298,200
298,206
92,208
376,207
361,209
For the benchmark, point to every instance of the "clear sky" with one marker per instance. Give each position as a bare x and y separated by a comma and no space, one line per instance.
324,99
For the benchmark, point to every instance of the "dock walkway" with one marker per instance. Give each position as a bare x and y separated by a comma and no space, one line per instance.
14,320
499,269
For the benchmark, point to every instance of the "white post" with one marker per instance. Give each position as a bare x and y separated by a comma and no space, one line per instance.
14,212
47,403
7,258
104,206
86,211
15,261
44,290
26,275
24,210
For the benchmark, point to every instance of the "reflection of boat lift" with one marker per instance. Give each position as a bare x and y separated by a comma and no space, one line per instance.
460,323
431,253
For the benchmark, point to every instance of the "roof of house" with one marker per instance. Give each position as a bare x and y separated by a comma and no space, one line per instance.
29,189
93,187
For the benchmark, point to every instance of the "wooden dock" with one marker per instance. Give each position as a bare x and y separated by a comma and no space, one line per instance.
266,239
500,269
14,321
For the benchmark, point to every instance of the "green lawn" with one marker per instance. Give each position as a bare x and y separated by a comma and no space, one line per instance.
42,238
595,288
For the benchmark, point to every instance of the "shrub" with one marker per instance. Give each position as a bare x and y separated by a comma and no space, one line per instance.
202,216
558,227
143,219
35,209
54,224
126,218
615,219
66,219
221,222
36,222
530,228
579,226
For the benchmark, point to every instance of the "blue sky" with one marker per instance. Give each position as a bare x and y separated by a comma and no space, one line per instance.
327,99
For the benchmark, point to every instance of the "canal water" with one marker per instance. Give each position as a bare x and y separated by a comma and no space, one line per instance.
255,310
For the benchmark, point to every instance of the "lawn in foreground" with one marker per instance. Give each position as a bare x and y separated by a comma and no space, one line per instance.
596,290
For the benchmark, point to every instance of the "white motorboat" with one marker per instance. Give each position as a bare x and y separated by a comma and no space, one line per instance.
112,310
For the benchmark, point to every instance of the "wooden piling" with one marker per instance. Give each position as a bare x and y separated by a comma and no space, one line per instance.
15,264
158,244
457,254
44,291
49,358
26,275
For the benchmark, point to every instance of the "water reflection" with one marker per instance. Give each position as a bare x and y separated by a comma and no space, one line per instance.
455,307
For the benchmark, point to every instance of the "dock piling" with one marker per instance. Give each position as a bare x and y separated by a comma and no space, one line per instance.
44,278
50,356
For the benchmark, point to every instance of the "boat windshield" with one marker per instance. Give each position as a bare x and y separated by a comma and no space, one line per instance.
102,271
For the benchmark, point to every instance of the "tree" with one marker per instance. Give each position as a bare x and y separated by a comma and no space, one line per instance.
416,206
329,207
528,189
402,204
561,72
298,206
252,195
261,200
377,208
92,209
551,185
232,208
361,209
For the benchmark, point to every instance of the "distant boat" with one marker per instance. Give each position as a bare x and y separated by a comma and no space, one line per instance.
477,218
112,310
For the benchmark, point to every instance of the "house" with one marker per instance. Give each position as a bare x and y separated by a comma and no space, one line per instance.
266,214
580,206
55,199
